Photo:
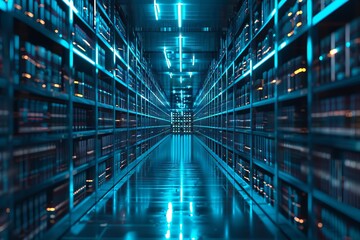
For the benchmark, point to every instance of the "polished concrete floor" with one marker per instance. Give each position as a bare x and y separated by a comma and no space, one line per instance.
177,193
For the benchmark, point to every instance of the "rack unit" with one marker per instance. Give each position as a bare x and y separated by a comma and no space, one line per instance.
79,108
280,111
181,122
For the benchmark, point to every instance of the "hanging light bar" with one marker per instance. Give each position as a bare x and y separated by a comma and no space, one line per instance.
180,52
179,15
167,59
156,10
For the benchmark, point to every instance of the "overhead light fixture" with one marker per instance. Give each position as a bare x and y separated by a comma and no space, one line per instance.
180,51
179,15
168,63
156,10
193,60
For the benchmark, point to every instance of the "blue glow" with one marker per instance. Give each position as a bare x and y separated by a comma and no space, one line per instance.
156,10
264,59
84,56
181,192
180,51
190,73
3,6
181,234
179,15
191,209
321,58
193,60
168,63
283,45
169,213
273,13
348,44
181,79
167,235
328,10
171,75
71,5
130,236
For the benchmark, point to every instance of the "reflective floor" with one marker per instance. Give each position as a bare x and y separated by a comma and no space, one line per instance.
177,193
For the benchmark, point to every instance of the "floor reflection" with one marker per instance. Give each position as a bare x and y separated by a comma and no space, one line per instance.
177,193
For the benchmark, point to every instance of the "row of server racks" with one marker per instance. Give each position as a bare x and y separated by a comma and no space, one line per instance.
280,111
79,108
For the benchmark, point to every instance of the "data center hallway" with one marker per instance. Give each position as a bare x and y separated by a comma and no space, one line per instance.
178,192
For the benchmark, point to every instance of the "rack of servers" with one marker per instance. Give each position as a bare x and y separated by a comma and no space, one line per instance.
67,111
181,122
280,108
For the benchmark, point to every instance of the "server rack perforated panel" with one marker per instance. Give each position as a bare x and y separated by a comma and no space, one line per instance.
182,122
79,108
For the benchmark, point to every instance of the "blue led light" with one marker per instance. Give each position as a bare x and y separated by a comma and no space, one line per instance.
156,10
179,15
168,63
167,235
282,45
180,51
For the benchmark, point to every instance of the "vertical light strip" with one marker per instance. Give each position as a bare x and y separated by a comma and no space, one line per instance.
168,63
156,10
193,60
180,52
179,15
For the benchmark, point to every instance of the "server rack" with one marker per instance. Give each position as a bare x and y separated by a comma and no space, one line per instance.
181,122
279,111
79,109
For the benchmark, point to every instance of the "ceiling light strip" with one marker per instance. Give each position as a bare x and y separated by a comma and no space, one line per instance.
180,52
179,15
156,10
168,63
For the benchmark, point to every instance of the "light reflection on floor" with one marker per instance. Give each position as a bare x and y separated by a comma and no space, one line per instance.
178,193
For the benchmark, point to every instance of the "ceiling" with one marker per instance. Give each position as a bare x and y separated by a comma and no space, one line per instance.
204,23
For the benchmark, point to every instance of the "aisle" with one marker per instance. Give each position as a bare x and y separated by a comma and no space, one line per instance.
177,193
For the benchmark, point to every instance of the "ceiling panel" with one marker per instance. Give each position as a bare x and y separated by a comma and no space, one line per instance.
204,23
